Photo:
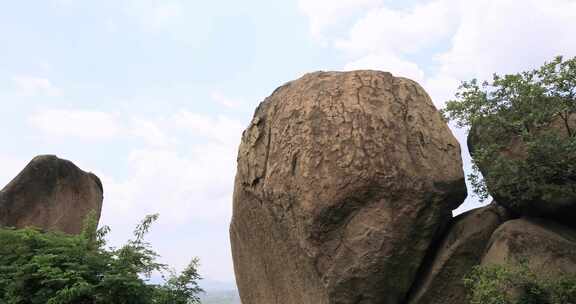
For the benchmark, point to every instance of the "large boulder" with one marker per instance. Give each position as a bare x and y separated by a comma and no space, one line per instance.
51,194
462,248
546,247
344,179
556,198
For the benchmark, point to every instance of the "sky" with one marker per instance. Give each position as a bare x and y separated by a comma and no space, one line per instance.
153,95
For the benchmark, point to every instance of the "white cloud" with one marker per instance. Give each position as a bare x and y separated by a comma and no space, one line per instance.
180,186
35,86
225,100
479,37
147,130
219,128
76,123
180,20
382,37
193,165
507,36
387,62
326,13
399,30
156,15
441,88
57,124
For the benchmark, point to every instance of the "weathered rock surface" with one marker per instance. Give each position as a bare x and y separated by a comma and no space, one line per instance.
556,203
52,194
343,182
462,248
547,247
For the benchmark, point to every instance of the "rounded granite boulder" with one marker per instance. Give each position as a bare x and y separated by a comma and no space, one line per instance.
52,194
343,181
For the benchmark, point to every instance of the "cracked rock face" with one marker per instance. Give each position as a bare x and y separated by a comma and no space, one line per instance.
343,181
51,194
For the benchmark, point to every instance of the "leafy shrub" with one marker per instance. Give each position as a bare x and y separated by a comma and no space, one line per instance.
496,284
54,268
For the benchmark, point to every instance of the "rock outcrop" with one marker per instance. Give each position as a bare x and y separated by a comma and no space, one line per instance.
344,181
51,194
547,248
463,247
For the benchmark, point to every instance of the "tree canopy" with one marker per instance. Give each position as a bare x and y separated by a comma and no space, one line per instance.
533,110
54,268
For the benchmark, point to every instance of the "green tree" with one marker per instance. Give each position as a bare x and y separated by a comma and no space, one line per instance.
50,267
534,108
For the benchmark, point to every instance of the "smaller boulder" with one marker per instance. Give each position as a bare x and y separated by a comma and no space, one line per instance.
442,280
546,247
52,194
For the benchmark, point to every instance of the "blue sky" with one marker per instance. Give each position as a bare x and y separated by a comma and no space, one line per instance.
153,95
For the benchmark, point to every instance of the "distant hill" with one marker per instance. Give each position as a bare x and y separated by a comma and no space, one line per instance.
219,292
221,297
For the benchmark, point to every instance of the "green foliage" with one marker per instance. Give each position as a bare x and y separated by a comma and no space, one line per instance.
497,284
178,288
522,107
54,268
